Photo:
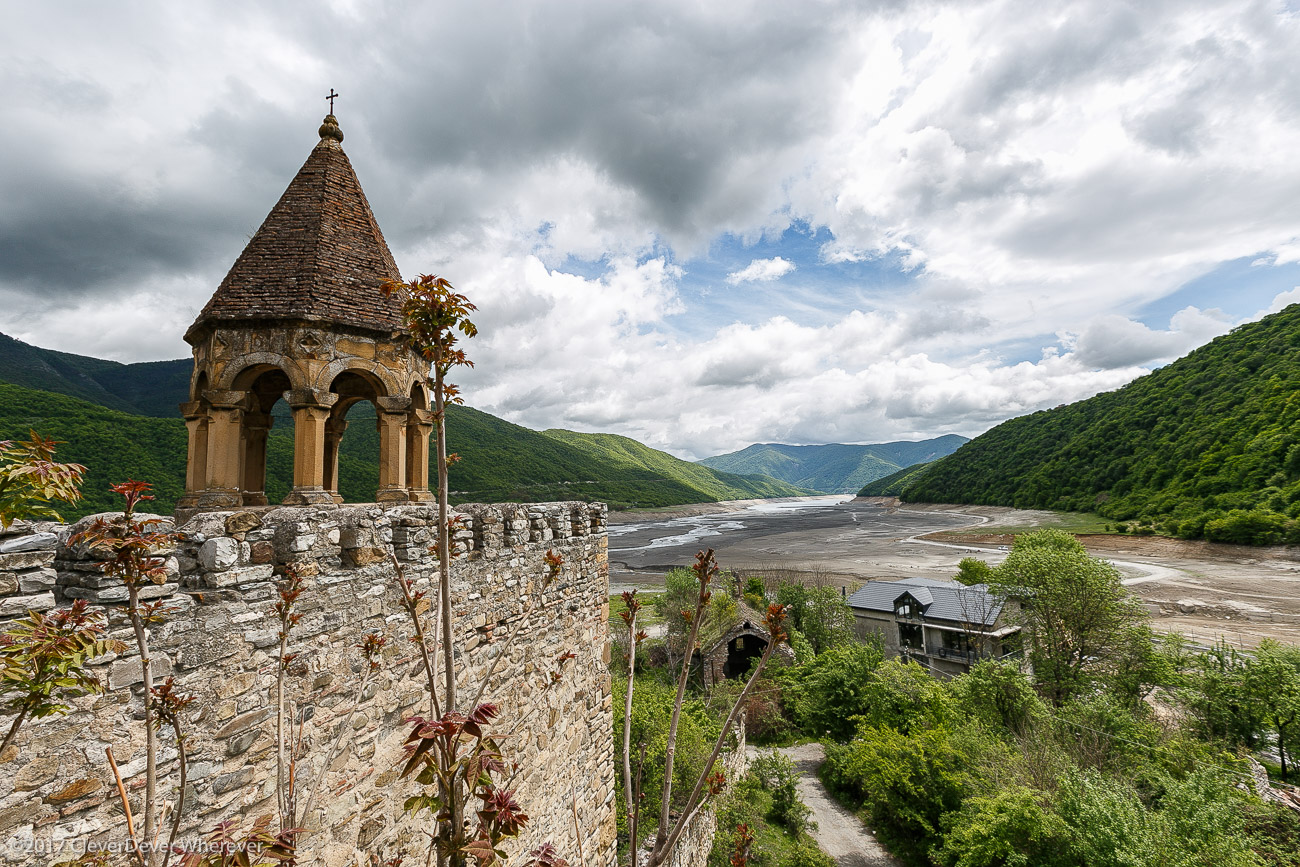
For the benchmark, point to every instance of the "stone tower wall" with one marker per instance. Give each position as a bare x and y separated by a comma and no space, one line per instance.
219,641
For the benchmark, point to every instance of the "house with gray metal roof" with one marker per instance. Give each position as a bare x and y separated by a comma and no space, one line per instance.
944,625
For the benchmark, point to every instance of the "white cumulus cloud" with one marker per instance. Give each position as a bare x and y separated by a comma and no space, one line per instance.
761,270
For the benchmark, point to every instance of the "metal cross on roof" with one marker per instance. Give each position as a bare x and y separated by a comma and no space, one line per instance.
331,99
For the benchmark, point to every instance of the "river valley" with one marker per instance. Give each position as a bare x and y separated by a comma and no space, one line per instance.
1203,590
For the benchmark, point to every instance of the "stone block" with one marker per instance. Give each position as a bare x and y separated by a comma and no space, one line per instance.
125,672
230,782
242,522
74,790
240,577
219,554
32,542
261,552
17,606
18,561
8,582
38,580
242,723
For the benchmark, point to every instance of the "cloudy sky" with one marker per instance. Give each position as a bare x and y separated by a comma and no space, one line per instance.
698,224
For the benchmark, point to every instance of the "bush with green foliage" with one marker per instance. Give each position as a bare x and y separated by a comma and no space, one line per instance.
824,695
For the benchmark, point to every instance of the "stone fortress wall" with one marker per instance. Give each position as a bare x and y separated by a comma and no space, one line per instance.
219,641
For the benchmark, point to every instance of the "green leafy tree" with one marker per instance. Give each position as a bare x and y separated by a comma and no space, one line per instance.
1074,612
1272,682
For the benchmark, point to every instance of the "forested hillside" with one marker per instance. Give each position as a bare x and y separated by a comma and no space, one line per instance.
1207,447
152,388
894,484
80,401
835,467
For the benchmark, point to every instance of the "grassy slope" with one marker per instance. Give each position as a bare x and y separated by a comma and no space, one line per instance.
624,452
834,467
1212,437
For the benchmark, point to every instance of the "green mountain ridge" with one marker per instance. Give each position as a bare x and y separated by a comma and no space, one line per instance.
835,467
1205,447
121,421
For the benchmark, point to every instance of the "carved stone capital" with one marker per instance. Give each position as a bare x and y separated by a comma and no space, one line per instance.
303,397
398,403
226,399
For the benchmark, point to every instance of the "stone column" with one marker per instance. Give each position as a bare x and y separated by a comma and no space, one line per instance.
392,412
334,429
256,427
392,458
311,410
419,427
225,452
196,464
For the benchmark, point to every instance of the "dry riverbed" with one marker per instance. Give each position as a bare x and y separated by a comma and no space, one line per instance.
1204,590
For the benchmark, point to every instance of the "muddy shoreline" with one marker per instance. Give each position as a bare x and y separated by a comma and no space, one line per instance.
1206,590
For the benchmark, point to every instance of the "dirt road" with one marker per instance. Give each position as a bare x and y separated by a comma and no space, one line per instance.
839,833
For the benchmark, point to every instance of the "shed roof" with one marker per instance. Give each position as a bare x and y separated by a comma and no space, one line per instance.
949,600
319,255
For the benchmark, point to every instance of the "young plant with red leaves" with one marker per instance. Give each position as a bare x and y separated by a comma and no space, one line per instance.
43,663
168,704
30,479
288,592
225,846
457,760
133,547
709,783
743,840
436,317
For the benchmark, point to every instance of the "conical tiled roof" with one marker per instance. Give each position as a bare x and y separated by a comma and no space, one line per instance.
319,255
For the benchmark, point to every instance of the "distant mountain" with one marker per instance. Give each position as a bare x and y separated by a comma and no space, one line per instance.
836,468
624,452
1205,447
151,388
121,420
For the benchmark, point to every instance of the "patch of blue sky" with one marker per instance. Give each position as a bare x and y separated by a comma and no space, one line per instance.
1238,287
814,293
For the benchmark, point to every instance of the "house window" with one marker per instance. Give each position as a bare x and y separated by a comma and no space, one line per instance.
957,642
909,636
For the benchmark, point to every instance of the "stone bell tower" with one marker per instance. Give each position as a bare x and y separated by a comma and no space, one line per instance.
301,316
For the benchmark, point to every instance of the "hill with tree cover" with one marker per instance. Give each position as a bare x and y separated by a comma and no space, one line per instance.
1206,447
152,388
893,484
835,467
121,421
628,453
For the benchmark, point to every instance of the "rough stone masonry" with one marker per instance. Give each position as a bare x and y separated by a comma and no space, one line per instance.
219,640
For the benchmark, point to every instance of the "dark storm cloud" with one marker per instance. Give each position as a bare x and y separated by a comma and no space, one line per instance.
661,101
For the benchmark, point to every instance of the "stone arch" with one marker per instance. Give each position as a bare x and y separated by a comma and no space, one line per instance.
385,380
352,384
232,374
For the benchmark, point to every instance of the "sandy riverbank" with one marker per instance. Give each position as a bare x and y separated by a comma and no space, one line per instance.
1199,588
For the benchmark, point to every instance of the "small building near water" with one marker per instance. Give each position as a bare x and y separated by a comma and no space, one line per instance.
944,625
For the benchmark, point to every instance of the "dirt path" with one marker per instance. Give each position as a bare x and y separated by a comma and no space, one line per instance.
839,833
